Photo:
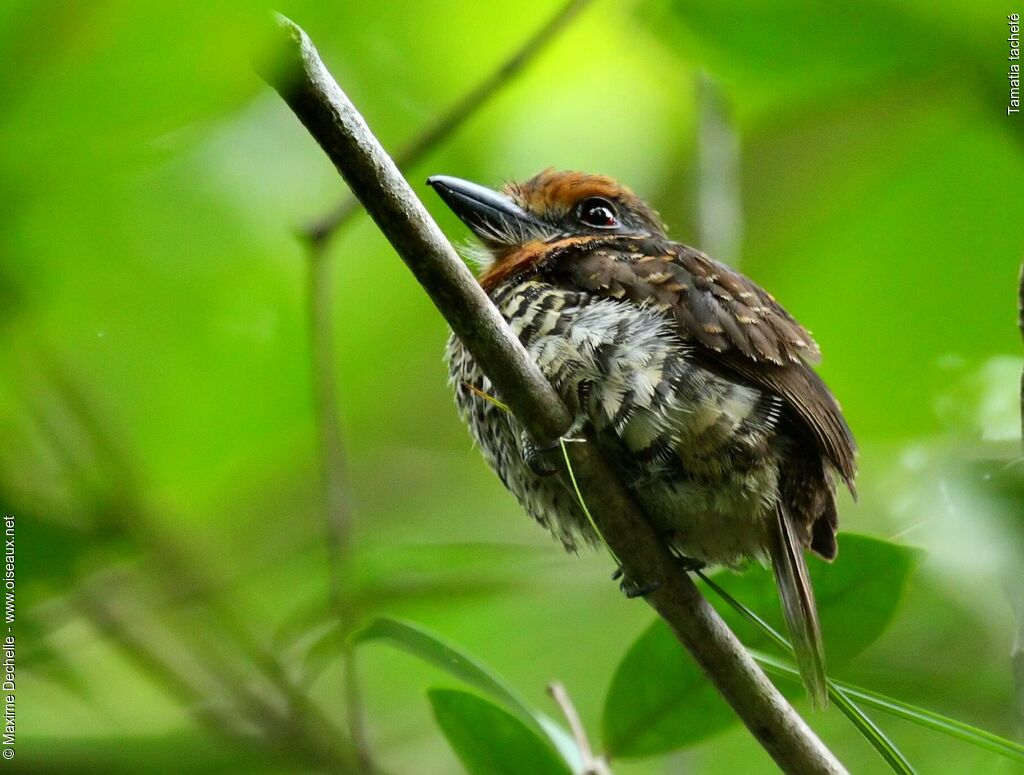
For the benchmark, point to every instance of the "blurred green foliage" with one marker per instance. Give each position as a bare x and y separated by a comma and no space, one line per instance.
159,446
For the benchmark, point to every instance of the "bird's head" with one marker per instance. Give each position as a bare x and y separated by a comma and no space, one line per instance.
549,207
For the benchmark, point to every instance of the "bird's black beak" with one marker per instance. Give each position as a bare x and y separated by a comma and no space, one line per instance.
493,217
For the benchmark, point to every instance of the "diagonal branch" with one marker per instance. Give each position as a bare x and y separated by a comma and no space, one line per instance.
320,231
309,90
332,454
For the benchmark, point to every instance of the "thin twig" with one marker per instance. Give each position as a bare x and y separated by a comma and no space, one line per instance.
320,231
334,483
309,90
1017,661
325,390
590,764
355,710
719,208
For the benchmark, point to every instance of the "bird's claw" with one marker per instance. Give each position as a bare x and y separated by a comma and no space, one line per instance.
632,589
548,460
542,461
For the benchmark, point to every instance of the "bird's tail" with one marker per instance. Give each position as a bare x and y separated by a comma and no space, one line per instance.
798,607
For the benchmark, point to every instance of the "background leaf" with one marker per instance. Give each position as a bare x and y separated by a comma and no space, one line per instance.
456,662
926,718
488,739
857,596
659,700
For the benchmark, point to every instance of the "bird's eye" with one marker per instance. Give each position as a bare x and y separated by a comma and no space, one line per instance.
597,212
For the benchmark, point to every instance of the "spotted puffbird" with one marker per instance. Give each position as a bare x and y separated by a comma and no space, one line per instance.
694,382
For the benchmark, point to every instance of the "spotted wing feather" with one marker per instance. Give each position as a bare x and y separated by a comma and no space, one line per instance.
741,327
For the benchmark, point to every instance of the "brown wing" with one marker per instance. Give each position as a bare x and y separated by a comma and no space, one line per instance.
739,325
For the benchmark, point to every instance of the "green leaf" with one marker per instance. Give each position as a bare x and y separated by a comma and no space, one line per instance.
431,648
857,596
842,699
489,740
925,718
844,694
660,701
870,731
381,574
920,716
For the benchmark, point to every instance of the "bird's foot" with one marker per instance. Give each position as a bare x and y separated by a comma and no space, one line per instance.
549,460
631,588
542,461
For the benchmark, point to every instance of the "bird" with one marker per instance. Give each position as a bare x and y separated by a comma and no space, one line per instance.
695,384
